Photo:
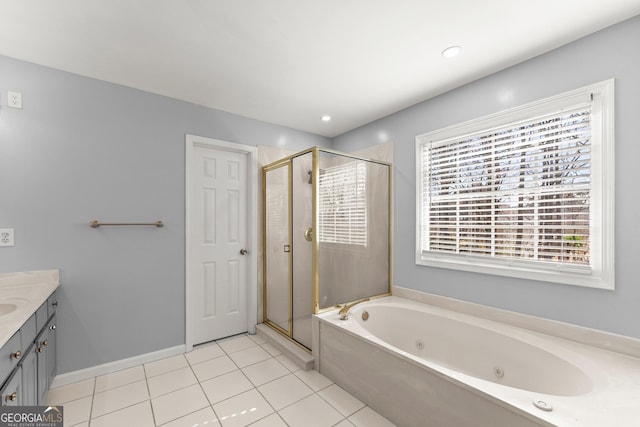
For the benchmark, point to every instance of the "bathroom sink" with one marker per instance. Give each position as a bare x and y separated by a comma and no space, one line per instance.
7,308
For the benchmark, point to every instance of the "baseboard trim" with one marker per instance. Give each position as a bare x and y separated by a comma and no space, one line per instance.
118,365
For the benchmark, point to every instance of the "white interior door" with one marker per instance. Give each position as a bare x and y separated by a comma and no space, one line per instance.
218,258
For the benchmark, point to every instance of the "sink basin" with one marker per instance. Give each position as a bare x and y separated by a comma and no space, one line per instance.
7,308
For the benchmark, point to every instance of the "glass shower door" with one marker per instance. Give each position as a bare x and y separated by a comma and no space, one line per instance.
277,247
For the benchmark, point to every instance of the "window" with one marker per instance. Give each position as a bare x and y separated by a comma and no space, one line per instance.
342,204
527,192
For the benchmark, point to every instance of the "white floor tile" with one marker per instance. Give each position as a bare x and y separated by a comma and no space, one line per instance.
214,367
69,392
344,423
163,366
257,339
134,416
265,371
225,386
167,393
312,411
249,356
77,411
202,418
271,349
272,420
243,409
367,417
284,391
204,353
344,402
233,344
118,398
119,378
313,379
287,363
171,381
179,403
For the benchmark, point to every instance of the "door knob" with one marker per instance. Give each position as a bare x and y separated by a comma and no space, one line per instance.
243,251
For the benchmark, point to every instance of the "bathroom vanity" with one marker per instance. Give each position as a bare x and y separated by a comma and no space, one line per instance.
28,304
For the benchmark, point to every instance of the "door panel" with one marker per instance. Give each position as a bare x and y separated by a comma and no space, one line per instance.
218,213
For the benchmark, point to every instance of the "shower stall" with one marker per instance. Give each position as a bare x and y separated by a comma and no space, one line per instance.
327,236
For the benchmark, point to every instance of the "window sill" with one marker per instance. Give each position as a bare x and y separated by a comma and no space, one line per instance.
578,277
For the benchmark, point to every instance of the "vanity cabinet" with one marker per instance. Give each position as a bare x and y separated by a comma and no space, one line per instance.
28,331
29,370
28,360
46,358
12,389
10,354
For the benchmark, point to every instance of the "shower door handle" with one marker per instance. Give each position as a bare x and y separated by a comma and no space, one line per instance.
243,251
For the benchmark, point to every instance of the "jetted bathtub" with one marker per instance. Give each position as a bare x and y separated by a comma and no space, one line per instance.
421,365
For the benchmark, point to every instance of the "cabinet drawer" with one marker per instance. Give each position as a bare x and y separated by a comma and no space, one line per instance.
10,354
28,333
53,303
41,316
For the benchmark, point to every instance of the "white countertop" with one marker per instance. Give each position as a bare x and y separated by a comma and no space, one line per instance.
27,290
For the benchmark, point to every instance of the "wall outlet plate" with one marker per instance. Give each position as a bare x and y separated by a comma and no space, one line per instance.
14,99
6,237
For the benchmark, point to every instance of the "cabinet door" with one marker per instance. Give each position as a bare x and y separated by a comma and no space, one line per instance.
12,390
42,342
52,303
30,378
52,348
10,355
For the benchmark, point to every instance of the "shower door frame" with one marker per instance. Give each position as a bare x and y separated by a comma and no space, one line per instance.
288,161
285,162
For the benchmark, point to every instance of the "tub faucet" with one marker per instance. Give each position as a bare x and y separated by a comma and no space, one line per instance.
344,311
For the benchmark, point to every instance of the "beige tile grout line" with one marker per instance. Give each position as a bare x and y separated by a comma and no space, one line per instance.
146,379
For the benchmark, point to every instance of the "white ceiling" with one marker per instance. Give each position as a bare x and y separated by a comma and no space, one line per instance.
289,62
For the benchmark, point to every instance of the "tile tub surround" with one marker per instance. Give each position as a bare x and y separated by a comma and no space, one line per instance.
27,290
237,381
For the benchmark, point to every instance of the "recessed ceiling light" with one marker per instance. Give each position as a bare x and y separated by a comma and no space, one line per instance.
326,118
451,51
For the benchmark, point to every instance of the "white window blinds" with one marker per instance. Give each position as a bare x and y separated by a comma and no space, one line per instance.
518,191
526,192
342,207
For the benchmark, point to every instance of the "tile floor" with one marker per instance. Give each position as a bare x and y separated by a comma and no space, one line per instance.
238,381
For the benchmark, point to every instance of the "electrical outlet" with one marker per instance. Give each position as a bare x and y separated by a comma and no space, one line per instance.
6,237
14,99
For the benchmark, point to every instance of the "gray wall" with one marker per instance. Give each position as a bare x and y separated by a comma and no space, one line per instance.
612,52
83,149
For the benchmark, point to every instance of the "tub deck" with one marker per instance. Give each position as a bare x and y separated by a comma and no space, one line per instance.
603,387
